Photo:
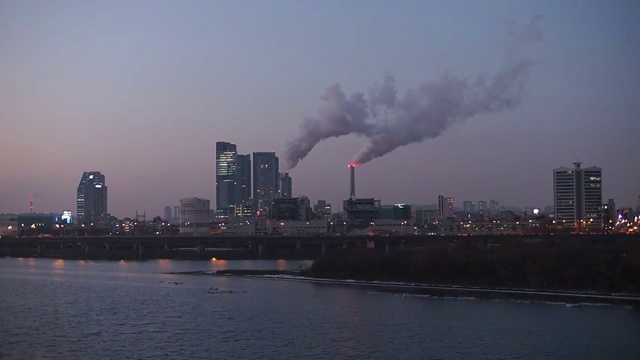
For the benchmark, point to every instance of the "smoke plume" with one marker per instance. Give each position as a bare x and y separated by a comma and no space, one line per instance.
389,121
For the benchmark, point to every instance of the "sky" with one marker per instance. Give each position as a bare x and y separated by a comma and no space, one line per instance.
142,90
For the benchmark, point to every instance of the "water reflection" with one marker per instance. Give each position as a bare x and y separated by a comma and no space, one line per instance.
141,308
164,262
219,264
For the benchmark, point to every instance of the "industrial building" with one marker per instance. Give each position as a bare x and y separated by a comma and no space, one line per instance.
359,210
298,208
322,210
300,228
195,214
29,224
427,216
238,227
285,186
396,212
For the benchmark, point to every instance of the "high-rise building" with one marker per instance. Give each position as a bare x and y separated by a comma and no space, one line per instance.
243,179
91,199
493,207
167,213
577,197
469,207
609,213
482,207
225,177
285,186
265,180
445,207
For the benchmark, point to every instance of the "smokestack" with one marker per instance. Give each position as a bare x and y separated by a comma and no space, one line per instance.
352,192
31,206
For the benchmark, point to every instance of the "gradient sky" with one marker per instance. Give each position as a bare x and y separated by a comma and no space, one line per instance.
142,90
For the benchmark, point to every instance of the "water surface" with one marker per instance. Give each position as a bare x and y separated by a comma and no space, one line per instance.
52,309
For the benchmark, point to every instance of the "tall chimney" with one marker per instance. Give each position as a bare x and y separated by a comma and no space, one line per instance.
352,193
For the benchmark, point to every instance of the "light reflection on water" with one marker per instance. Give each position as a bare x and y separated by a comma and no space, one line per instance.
98,309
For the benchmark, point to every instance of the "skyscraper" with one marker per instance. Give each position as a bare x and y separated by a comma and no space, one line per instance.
285,186
226,155
243,179
91,199
265,179
445,207
577,195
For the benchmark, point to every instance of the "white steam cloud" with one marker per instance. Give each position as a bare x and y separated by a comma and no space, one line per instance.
389,121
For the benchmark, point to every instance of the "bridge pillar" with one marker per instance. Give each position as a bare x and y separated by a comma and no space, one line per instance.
260,250
200,249
61,245
345,245
386,247
166,247
324,249
140,249
39,250
106,247
86,249
298,245
135,247
402,244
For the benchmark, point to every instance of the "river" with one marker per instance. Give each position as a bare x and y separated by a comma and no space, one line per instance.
62,309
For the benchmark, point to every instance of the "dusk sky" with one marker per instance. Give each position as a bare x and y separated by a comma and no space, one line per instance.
142,90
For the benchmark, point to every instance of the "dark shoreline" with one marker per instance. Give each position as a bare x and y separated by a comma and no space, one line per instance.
440,291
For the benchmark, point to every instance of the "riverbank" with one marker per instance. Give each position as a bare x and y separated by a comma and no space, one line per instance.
609,268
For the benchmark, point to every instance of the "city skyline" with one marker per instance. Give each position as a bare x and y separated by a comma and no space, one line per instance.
142,91
445,205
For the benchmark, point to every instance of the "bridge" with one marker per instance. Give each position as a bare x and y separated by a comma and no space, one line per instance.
253,247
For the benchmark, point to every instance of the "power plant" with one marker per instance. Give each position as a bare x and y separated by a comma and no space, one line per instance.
358,211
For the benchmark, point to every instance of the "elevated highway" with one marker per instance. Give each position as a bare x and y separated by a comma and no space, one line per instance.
254,247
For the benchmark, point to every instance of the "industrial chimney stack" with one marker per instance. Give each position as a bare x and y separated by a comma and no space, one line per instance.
352,193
